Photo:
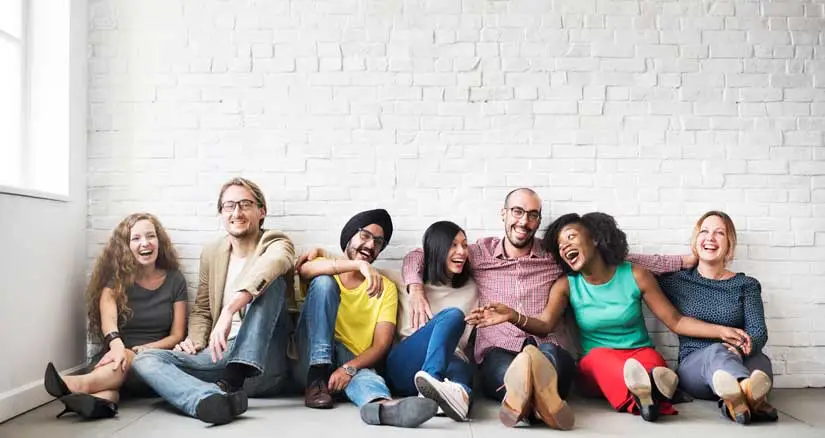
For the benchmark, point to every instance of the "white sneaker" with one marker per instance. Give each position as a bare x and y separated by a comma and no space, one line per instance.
450,396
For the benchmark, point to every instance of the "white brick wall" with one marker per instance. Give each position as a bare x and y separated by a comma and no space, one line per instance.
654,111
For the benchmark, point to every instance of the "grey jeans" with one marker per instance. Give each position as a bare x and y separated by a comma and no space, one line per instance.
696,370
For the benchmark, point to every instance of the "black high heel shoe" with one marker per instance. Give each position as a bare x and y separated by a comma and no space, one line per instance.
88,406
54,384
85,405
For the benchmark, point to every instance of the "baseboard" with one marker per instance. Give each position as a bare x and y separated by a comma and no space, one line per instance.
27,397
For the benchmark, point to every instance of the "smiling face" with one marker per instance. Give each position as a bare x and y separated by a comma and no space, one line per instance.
712,244
576,246
522,218
244,218
363,245
143,241
457,255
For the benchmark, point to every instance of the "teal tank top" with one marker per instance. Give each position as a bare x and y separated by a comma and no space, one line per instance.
609,315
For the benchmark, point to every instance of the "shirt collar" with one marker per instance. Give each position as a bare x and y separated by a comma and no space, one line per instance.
535,252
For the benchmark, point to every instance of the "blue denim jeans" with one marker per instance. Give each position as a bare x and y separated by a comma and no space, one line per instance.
315,338
498,360
696,370
183,379
431,349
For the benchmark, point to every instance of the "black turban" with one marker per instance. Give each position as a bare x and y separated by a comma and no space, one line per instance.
378,216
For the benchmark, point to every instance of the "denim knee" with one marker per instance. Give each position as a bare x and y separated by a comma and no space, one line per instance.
452,316
323,286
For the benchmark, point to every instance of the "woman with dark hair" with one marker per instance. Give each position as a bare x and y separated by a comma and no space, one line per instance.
136,300
430,358
739,377
606,294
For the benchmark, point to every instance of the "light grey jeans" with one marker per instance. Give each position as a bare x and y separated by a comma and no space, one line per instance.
696,370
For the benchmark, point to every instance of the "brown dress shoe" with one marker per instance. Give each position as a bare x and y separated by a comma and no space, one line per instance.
756,389
317,396
518,382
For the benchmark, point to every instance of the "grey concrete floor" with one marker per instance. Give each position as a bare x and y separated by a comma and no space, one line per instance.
802,415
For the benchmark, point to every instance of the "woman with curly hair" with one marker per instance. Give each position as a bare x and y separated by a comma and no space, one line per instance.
740,377
606,294
136,300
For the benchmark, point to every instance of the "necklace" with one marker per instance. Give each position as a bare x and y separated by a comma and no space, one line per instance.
720,276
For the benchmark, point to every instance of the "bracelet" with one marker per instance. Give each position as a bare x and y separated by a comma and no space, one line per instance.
111,336
524,324
334,267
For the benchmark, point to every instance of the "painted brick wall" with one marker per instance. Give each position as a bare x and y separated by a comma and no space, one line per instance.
654,111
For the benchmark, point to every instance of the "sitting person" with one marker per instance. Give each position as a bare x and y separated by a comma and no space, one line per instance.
738,374
136,301
239,327
528,372
431,358
347,325
606,294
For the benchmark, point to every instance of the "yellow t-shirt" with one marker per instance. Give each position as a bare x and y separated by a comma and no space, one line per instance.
358,314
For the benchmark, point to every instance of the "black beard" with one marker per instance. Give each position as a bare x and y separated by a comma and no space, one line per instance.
352,252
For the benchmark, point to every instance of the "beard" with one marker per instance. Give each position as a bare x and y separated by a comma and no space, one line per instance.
528,240
352,252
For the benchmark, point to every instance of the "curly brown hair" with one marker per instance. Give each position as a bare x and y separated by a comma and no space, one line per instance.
116,268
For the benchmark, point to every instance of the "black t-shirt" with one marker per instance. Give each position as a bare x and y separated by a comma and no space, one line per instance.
152,310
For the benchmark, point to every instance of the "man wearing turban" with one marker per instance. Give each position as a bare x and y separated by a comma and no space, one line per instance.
347,327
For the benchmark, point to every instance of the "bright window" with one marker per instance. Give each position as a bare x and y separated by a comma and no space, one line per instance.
34,98
12,75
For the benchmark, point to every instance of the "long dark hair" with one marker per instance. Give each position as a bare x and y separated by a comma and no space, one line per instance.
438,239
610,241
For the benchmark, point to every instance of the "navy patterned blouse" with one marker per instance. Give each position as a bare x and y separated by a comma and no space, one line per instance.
735,302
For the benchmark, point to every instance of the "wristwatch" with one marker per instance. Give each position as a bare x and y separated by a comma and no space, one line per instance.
349,369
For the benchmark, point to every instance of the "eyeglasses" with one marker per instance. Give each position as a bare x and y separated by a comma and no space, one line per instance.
366,236
532,215
229,206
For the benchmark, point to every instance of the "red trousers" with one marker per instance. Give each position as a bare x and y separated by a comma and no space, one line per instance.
602,370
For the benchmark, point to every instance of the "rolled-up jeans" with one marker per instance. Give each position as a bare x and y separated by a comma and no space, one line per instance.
315,336
184,379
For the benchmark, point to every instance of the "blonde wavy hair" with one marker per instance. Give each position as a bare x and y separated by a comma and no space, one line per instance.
116,268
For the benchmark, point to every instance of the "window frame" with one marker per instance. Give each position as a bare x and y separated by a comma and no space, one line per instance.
24,185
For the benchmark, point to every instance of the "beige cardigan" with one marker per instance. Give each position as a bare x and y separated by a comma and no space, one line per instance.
273,257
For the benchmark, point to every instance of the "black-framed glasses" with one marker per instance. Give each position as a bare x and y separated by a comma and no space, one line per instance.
518,213
229,206
366,236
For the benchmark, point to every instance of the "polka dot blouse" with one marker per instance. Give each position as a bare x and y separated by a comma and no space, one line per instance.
735,302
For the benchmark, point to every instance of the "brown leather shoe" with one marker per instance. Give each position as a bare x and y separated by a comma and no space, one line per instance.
518,381
756,389
317,396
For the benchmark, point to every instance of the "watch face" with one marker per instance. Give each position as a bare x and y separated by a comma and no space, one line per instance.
350,370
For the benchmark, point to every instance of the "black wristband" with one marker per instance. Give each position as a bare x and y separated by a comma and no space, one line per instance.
111,336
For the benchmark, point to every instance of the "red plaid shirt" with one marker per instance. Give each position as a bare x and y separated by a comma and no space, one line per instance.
523,284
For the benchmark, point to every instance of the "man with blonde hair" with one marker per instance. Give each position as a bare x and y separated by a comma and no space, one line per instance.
239,326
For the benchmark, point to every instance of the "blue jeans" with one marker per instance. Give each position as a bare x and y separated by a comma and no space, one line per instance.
317,345
498,360
696,370
184,379
431,349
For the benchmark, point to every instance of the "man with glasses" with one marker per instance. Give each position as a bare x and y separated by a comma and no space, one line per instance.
239,326
347,327
517,272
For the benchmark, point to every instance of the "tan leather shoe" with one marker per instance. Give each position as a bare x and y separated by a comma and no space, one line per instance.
518,383
732,400
547,402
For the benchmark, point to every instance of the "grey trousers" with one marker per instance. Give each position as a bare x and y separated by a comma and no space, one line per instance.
696,371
